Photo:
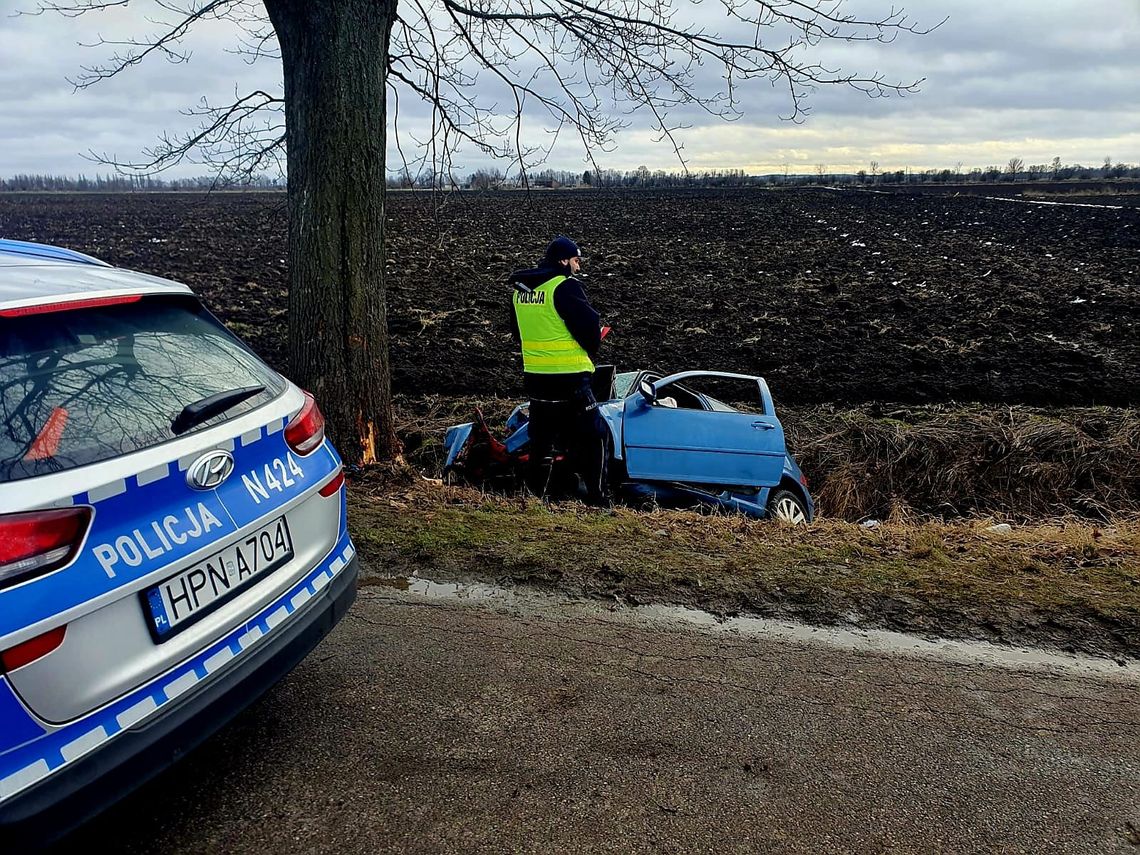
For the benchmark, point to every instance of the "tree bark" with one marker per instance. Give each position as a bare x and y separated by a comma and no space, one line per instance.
334,54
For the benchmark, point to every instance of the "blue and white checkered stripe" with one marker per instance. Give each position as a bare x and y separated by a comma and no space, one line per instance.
165,470
35,761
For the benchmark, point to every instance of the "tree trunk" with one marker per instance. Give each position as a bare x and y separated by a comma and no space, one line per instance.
334,54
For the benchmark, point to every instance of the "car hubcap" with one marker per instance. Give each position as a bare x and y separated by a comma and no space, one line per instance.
789,510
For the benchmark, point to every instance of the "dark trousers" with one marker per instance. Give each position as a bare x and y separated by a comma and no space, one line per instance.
571,424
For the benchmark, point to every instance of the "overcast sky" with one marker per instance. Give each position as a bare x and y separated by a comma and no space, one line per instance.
1020,78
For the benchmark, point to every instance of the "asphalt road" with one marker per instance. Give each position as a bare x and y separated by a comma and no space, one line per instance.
428,725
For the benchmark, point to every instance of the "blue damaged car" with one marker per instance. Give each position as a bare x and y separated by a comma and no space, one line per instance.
172,533
676,443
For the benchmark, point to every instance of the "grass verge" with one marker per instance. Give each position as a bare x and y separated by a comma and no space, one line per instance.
1065,584
864,461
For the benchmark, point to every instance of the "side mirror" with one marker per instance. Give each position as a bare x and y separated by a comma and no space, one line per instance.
647,390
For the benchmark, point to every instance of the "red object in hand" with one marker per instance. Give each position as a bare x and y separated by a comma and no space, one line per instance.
605,331
46,443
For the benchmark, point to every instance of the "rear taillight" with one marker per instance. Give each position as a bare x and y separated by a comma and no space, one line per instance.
37,542
306,430
333,486
803,479
32,649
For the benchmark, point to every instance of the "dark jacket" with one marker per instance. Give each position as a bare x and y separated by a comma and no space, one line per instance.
581,320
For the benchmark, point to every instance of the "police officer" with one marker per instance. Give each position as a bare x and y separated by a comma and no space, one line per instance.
560,332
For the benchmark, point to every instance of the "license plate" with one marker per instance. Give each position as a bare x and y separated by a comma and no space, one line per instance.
181,600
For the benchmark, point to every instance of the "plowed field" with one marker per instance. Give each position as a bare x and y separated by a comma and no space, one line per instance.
938,354
838,297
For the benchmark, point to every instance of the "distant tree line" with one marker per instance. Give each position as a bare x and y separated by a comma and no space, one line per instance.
642,177
494,179
129,183
1013,171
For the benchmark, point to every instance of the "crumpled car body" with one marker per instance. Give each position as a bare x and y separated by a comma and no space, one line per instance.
674,444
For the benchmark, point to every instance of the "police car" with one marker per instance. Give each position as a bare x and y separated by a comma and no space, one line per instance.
172,532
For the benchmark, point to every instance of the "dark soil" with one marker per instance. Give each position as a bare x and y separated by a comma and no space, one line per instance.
1114,192
839,297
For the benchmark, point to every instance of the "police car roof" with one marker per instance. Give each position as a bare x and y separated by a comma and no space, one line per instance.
13,250
32,274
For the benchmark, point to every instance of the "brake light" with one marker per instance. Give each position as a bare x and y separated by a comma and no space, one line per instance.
306,430
68,305
37,542
803,479
333,486
32,649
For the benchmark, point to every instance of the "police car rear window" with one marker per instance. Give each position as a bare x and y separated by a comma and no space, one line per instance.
85,385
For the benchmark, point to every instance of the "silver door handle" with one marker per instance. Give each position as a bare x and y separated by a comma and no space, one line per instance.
763,426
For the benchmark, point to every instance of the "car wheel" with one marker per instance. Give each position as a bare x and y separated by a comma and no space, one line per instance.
787,506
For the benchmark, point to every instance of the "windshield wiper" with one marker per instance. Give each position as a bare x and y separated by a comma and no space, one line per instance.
210,406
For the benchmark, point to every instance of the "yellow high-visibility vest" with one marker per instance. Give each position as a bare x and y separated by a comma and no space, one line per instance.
547,345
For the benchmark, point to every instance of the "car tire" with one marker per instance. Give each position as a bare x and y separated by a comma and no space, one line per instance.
787,506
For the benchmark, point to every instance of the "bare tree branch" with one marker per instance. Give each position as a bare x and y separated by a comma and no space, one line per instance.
486,68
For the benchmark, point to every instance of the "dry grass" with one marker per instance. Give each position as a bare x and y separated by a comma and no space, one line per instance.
1061,582
892,463
1020,462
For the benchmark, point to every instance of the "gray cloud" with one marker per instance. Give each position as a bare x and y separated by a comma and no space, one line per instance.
1018,78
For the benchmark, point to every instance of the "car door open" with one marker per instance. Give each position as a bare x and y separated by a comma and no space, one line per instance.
677,433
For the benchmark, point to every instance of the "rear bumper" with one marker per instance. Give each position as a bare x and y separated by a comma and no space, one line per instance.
46,811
